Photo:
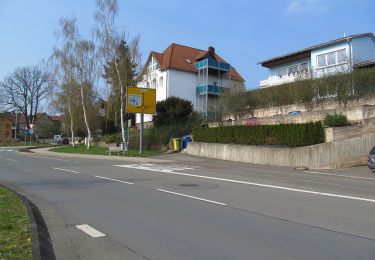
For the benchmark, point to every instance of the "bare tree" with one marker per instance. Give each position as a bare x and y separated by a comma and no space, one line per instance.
65,66
25,89
110,41
86,73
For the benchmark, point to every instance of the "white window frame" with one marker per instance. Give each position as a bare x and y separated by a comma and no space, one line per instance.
336,59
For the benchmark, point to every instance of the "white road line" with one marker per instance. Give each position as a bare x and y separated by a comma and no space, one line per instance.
12,160
261,185
9,150
90,230
192,197
64,170
105,178
341,175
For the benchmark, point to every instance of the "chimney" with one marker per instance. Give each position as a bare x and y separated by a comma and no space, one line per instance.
211,49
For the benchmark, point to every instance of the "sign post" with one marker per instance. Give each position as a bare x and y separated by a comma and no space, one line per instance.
31,132
143,101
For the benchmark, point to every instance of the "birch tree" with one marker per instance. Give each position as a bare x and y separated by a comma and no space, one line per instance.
110,43
86,73
64,66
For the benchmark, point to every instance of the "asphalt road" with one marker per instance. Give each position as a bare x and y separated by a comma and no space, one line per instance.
192,208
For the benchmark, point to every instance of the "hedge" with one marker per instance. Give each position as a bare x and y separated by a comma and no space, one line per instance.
290,135
341,87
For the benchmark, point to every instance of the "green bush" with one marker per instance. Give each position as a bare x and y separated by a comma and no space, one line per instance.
113,138
290,135
336,120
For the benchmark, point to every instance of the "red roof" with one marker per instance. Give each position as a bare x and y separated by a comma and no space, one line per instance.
178,56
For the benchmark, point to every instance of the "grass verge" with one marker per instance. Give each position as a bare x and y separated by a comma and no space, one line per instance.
95,150
15,231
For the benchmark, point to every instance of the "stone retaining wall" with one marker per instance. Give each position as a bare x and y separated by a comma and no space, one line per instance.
310,156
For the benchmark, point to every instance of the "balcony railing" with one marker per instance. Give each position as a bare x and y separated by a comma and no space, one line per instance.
209,89
210,63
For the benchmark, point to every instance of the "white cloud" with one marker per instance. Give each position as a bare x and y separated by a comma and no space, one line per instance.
306,6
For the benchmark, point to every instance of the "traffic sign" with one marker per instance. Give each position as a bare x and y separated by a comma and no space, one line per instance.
141,100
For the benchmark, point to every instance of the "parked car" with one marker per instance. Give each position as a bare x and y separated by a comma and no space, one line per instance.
371,159
294,113
65,140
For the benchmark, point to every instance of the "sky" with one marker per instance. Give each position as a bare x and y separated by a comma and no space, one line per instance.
243,32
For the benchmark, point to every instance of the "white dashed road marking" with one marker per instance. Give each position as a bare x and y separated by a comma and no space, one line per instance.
249,183
192,197
90,230
106,178
64,170
11,160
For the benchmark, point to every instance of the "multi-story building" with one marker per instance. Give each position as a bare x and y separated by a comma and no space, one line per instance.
193,74
5,127
339,55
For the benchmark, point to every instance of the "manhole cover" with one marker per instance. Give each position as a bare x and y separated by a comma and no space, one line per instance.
189,185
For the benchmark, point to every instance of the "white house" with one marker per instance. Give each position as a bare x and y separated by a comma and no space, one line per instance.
339,55
193,74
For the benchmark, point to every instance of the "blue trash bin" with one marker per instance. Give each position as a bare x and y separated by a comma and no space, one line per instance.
185,140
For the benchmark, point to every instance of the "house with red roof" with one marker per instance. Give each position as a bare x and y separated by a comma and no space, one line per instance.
200,76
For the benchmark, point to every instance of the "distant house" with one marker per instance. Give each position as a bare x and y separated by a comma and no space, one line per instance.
200,76
5,127
339,55
42,120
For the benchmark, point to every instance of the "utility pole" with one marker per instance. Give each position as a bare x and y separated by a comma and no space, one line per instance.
141,135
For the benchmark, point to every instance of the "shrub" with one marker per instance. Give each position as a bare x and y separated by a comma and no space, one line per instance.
290,135
113,138
336,120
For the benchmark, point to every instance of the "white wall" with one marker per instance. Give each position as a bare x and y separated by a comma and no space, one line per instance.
182,84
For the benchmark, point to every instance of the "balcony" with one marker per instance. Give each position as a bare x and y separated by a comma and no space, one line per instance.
209,89
212,64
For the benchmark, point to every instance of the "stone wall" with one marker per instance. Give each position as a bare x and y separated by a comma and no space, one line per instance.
310,156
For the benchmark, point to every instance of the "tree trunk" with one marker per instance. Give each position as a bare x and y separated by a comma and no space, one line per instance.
85,117
71,121
122,96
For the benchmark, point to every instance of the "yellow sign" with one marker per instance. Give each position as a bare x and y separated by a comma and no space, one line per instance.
141,100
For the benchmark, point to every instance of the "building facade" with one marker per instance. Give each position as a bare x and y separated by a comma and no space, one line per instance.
339,55
189,73
5,128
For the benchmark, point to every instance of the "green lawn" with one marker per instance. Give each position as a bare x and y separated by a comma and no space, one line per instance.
15,231
81,149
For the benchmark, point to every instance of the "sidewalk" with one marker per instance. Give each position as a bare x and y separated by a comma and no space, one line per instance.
45,151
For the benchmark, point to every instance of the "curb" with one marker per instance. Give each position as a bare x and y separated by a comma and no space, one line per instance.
42,247
150,159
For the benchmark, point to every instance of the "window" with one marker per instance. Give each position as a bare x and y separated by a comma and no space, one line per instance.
303,67
292,70
281,72
321,60
331,58
215,83
161,82
341,56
